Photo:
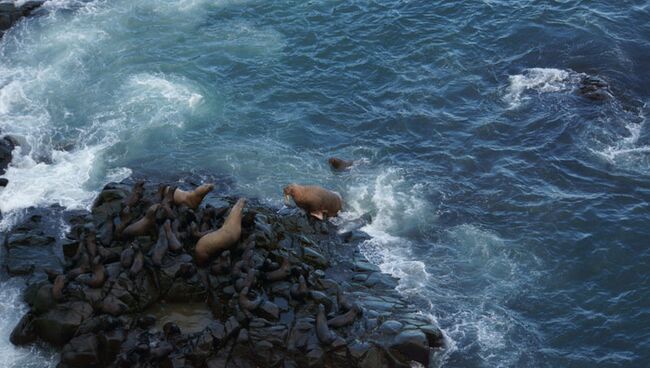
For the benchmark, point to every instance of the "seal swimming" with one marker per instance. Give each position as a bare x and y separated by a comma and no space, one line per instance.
222,239
340,164
317,201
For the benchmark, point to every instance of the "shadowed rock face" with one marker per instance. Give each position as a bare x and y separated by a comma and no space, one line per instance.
290,293
10,13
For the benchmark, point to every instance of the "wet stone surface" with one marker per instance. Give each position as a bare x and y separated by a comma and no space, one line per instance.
290,293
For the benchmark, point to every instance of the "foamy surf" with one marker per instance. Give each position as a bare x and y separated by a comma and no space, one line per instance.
12,309
539,80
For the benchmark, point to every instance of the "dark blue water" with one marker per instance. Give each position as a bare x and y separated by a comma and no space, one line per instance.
513,209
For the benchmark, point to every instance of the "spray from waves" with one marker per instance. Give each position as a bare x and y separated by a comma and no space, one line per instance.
540,80
397,209
475,270
626,151
11,310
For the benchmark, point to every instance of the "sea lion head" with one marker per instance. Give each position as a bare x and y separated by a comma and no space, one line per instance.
204,189
339,164
290,192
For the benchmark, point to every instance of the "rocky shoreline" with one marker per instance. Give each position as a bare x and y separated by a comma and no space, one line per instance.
12,11
292,292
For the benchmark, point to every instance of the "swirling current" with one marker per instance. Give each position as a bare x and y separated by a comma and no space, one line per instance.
513,209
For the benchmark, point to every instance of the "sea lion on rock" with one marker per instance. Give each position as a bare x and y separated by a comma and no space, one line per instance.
126,258
300,289
223,238
192,199
135,196
317,201
172,239
98,277
340,164
57,287
246,303
281,273
160,248
144,225
137,264
345,318
322,330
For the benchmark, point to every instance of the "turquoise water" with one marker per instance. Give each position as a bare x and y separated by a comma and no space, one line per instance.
513,210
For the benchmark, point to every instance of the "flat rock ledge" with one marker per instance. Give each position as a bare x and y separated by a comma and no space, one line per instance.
293,292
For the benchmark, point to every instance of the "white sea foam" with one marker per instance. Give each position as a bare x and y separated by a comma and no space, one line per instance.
540,80
394,208
11,310
626,151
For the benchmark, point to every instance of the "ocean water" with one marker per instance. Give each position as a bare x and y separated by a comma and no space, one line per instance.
514,211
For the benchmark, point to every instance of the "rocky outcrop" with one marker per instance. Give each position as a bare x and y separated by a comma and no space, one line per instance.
6,148
12,11
291,293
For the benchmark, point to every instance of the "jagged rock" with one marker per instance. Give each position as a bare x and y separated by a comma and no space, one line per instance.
58,325
412,344
81,351
264,295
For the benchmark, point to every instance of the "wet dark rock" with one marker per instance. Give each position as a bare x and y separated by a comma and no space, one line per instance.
10,13
58,325
287,294
6,145
594,88
30,250
412,344
81,351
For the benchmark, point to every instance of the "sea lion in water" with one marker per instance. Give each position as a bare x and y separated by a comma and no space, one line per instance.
317,201
223,238
340,164
144,225
192,199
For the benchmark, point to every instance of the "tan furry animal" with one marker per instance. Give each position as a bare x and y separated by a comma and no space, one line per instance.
222,239
192,199
317,201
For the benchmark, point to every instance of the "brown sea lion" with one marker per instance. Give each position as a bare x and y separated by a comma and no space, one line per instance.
221,266
57,287
246,303
223,238
135,196
138,263
192,199
281,273
160,248
345,318
317,201
300,289
126,258
322,330
340,164
144,225
98,277
172,239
